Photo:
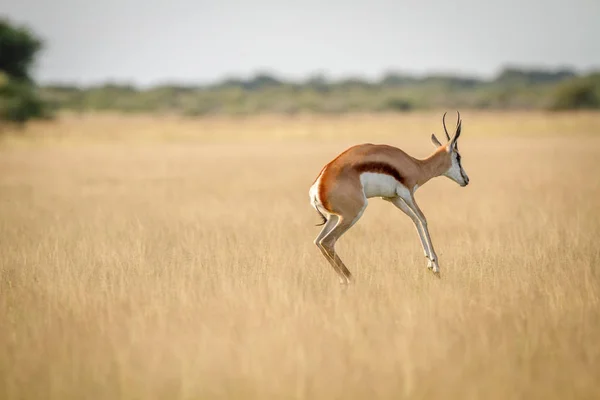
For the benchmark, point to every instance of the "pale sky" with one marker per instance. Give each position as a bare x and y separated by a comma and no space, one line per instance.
150,41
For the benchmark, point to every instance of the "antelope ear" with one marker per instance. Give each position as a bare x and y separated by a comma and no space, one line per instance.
435,141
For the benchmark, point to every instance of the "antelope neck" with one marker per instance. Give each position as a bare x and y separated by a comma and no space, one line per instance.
434,165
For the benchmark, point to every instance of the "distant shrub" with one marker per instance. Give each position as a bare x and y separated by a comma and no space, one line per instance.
577,94
397,104
513,75
20,102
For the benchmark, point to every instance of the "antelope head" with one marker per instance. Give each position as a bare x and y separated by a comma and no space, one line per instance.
455,170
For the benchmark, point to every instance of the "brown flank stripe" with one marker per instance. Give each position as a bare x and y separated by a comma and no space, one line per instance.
371,166
380,168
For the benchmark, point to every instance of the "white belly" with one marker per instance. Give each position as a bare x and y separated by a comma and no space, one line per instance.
379,185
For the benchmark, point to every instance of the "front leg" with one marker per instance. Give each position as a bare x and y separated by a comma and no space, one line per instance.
402,205
433,260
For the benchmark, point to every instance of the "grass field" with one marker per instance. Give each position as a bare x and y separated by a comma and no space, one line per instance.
157,258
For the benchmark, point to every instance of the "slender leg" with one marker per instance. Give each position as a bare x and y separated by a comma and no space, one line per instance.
401,204
327,228
328,245
410,202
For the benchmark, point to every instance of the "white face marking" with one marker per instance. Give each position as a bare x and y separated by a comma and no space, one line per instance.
456,172
378,185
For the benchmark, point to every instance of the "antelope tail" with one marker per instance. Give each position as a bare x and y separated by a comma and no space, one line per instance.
322,217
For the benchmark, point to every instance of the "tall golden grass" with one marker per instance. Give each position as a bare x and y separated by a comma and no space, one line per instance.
158,258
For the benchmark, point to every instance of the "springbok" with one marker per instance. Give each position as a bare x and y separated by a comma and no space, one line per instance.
340,192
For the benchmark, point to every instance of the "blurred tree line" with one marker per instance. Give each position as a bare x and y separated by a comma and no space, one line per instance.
512,88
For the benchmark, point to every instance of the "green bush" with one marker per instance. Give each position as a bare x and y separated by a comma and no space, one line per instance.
20,102
573,95
397,104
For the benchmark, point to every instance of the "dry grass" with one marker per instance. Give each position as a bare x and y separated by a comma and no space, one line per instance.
184,268
90,128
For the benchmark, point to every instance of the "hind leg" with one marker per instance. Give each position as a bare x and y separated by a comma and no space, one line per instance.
327,228
327,243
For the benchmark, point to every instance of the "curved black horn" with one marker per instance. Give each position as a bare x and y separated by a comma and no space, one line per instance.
444,123
457,132
458,126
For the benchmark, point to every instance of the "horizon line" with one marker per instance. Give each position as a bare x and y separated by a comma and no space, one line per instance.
327,76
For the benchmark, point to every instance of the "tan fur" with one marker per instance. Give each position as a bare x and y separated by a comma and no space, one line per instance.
340,190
